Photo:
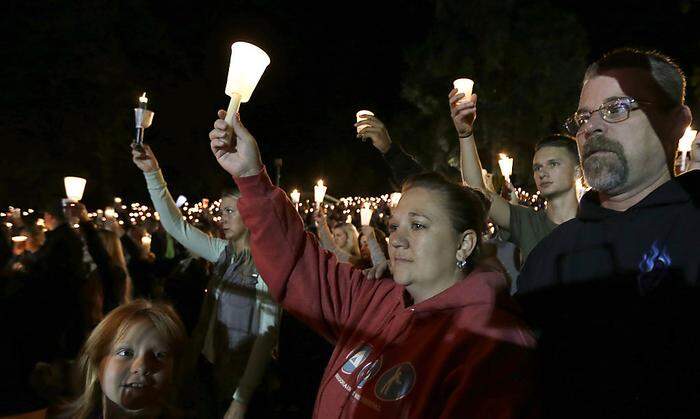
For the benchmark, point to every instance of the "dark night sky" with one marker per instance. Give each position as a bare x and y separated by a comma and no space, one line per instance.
326,64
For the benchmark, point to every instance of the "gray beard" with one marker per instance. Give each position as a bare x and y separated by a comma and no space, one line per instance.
604,172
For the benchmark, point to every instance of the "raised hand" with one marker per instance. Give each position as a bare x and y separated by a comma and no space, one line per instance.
144,158
235,411
463,114
320,216
238,154
379,270
375,131
77,210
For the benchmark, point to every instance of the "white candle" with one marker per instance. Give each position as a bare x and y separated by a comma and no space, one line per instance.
110,213
146,241
181,200
365,214
319,192
19,239
295,196
247,65
395,197
686,141
580,190
464,86
506,165
685,144
75,186
361,116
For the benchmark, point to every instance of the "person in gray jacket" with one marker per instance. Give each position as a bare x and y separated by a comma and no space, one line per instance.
238,324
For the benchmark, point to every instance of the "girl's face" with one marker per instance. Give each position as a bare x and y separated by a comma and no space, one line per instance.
339,237
364,247
231,221
136,373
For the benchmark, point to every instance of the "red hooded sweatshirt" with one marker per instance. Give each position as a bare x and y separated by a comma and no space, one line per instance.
464,353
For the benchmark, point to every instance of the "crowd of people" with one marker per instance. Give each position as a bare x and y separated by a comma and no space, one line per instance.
277,312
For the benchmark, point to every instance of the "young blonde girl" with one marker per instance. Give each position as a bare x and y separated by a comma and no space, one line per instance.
128,363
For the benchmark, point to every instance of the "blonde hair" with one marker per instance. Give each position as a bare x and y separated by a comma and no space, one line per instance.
352,244
114,248
110,330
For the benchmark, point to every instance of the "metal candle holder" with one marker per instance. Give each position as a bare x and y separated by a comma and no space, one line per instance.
143,118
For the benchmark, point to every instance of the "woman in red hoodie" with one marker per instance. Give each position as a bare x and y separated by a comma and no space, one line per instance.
440,340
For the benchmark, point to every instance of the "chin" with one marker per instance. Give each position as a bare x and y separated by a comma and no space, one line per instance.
401,278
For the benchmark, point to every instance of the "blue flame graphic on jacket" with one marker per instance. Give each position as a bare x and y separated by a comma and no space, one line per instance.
653,268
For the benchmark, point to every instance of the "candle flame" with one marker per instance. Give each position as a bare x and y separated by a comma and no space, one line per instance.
320,182
143,98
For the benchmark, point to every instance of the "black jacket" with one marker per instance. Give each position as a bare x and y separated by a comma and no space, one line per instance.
615,298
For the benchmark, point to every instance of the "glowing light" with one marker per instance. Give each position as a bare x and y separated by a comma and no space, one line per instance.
362,116
686,141
75,186
319,192
247,65
464,86
505,163
394,199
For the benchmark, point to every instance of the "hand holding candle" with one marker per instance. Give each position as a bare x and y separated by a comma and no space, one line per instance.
362,116
463,109
247,65
465,87
143,118
373,129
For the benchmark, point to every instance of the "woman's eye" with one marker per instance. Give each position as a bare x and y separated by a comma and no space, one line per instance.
393,227
161,355
554,164
417,226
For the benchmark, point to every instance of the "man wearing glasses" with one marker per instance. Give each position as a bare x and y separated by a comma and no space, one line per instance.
614,292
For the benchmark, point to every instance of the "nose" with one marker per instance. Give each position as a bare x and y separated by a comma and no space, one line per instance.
144,364
593,126
398,239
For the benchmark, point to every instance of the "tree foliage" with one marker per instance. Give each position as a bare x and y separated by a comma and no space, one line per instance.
527,60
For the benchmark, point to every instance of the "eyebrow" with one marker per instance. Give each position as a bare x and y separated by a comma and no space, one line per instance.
415,214
609,99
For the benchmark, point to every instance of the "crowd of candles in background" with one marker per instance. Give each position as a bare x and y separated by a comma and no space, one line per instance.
246,67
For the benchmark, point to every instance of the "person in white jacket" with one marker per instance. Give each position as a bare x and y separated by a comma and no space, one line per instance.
238,324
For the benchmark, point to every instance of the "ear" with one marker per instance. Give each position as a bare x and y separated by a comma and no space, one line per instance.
682,119
467,244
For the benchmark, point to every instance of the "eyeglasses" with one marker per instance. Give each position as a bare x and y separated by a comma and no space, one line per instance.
613,111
